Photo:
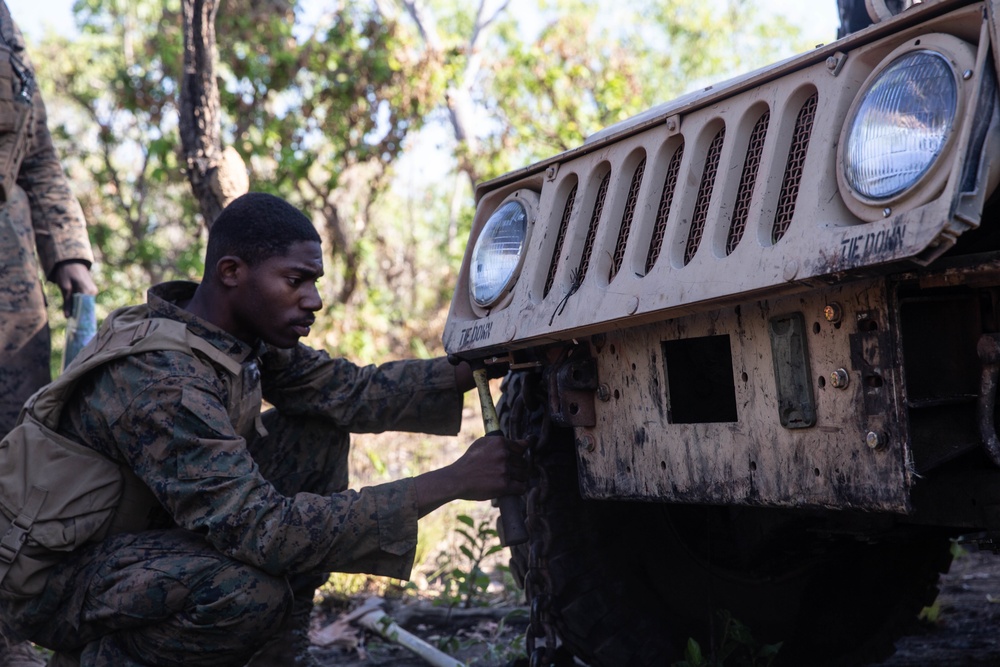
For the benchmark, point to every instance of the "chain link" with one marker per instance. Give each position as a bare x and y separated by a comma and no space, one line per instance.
537,580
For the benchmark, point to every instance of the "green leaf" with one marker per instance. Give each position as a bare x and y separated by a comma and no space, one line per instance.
693,652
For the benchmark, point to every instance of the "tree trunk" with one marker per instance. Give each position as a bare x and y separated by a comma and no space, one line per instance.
217,176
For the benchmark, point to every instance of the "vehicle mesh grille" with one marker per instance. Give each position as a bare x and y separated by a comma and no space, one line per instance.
751,168
588,246
663,212
793,168
560,238
700,213
627,215
731,195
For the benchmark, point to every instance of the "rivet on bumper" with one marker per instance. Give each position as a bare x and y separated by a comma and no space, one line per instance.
586,442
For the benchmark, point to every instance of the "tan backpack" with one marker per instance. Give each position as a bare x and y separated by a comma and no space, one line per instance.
57,495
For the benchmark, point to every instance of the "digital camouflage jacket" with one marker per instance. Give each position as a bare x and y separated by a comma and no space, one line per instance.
164,415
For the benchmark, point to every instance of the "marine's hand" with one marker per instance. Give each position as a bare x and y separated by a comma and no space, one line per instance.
491,467
72,277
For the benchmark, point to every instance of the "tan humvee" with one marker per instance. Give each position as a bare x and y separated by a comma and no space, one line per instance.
770,310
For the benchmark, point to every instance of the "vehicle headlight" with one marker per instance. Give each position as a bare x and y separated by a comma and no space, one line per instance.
499,250
904,123
901,126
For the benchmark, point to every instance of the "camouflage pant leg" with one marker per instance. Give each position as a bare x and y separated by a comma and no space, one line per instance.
24,347
24,333
303,455
163,598
24,364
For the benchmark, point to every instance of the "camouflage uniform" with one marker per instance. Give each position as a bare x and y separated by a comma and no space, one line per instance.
37,212
254,514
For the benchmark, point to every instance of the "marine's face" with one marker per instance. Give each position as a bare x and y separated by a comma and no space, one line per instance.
279,299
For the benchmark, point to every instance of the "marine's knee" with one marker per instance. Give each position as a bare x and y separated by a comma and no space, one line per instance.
243,600
229,614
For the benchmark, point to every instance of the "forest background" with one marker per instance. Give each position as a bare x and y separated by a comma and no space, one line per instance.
376,118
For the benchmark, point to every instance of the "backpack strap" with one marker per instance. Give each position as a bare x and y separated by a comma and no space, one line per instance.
17,534
124,335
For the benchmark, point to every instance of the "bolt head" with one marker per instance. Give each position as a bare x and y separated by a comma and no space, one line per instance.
839,378
875,440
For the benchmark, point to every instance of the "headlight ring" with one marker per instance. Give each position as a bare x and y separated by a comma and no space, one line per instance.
902,123
499,251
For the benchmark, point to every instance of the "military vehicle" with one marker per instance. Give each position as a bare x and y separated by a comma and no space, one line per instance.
755,332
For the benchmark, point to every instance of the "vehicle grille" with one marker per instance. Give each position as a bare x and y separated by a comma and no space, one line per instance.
751,168
704,196
793,170
595,217
560,239
663,211
626,227
711,199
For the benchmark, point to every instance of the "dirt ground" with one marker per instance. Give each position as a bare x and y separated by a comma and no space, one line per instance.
490,637
965,633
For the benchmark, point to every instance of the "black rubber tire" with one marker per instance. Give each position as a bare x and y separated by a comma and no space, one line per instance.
631,582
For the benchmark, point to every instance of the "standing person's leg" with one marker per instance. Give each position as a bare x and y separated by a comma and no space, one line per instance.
24,327
157,598
24,363
299,455
24,346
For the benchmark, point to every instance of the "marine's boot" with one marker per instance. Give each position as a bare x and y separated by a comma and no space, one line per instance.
19,654
288,648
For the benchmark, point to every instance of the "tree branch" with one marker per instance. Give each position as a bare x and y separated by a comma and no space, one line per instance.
216,176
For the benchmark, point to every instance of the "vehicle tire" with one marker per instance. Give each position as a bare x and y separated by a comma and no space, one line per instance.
631,582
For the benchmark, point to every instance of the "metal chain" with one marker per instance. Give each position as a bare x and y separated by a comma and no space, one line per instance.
537,580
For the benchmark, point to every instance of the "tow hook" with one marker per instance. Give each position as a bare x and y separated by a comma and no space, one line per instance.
572,385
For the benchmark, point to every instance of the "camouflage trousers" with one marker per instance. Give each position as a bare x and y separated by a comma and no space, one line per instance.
167,598
24,362
24,329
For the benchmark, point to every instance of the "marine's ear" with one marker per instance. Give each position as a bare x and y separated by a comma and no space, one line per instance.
230,269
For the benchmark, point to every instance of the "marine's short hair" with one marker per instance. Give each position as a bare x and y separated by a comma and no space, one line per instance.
256,227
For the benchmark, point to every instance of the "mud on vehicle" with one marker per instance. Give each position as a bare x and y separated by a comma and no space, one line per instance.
756,331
